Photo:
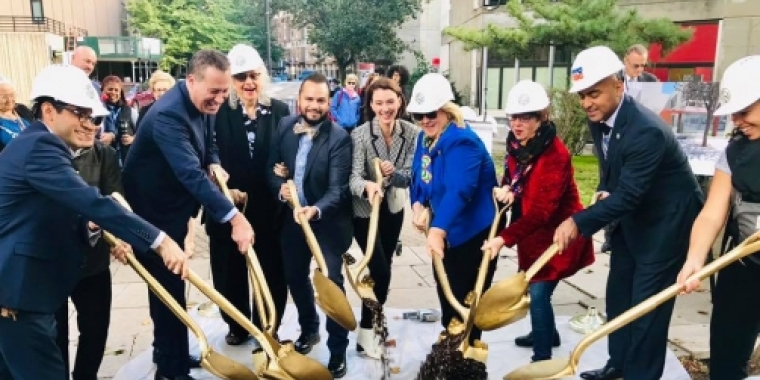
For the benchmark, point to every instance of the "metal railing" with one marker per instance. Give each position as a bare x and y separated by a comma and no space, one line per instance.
38,24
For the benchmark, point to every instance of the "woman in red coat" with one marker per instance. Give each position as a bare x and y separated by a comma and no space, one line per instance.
538,182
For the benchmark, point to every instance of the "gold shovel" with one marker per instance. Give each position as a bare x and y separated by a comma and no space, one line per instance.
262,299
559,368
212,361
479,350
364,287
507,302
328,295
294,364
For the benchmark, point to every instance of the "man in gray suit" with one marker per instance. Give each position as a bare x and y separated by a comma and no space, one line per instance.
635,60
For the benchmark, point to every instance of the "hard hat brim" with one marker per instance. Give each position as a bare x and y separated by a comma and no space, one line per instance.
424,108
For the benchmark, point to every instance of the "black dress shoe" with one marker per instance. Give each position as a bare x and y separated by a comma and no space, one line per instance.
606,248
527,340
606,373
193,361
337,366
306,342
181,377
234,339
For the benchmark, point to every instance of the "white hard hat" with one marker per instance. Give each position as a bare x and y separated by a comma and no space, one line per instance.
70,85
526,96
430,93
244,58
591,66
740,86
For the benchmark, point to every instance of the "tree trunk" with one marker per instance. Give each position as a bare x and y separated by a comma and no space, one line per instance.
342,66
707,127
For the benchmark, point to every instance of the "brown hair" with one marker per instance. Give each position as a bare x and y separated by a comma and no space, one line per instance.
111,79
205,58
382,83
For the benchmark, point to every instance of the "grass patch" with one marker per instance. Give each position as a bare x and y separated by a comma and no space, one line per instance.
586,173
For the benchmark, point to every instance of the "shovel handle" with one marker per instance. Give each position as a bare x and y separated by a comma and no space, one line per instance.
164,296
541,262
373,221
746,248
261,291
311,240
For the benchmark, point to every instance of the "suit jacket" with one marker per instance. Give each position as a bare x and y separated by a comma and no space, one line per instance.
652,188
165,175
325,186
44,206
368,143
249,174
549,196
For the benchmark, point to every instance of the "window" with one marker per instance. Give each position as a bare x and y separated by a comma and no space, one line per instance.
37,12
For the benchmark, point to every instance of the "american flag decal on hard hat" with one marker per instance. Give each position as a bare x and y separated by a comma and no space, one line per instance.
577,74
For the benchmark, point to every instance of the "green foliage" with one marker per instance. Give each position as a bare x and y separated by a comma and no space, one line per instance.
251,16
186,26
353,30
577,24
570,119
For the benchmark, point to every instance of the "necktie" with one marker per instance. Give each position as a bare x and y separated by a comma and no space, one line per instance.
606,133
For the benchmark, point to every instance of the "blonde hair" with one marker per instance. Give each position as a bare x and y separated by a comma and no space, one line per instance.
158,76
454,113
263,89
352,77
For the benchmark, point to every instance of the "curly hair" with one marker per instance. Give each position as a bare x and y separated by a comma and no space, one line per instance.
402,71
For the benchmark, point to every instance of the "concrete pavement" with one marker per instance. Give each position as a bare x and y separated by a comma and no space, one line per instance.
412,287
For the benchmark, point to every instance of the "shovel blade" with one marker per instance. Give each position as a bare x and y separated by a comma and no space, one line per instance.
496,305
546,369
492,320
333,301
226,368
300,367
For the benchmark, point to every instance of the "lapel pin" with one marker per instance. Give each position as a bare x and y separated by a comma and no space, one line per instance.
617,136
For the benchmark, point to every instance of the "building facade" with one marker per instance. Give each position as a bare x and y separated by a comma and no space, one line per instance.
423,33
724,30
299,55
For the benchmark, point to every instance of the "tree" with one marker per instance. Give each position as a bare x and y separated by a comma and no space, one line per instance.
185,26
353,30
575,24
703,95
251,16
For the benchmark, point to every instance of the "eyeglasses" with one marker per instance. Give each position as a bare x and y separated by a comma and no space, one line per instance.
430,115
640,65
241,77
83,115
523,116
350,83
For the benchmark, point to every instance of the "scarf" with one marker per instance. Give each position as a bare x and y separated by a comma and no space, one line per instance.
526,155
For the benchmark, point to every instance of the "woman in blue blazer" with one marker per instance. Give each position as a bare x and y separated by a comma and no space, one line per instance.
453,176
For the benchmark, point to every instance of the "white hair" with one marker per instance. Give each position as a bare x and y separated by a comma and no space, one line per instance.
6,81
263,90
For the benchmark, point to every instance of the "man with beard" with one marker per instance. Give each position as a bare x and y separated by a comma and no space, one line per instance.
166,183
316,154
649,187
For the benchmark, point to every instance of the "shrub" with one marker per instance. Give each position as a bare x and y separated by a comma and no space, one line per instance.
570,119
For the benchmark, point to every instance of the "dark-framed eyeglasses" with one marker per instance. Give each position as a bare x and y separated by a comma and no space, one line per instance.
524,116
640,65
84,114
350,83
241,77
430,115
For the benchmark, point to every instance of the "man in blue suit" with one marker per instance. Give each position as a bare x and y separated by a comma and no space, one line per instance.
317,155
46,209
166,181
648,186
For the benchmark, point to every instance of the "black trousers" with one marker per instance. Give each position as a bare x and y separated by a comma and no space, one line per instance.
28,350
298,258
735,321
170,340
462,264
639,348
92,299
388,230
230,273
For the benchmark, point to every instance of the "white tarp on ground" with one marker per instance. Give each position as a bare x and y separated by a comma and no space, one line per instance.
414,340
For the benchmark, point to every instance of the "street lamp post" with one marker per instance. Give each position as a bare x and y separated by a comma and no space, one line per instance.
268,13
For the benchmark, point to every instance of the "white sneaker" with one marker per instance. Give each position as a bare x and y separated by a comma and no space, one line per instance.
369,344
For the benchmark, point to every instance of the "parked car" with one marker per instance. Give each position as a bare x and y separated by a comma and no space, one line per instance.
304,74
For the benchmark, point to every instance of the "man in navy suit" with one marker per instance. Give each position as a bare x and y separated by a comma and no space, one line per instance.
166,182
317,155
46,207
647,184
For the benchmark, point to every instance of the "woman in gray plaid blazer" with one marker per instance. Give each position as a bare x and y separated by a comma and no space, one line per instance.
393,140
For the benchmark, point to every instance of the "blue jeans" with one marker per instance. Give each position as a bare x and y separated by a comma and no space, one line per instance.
542,318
